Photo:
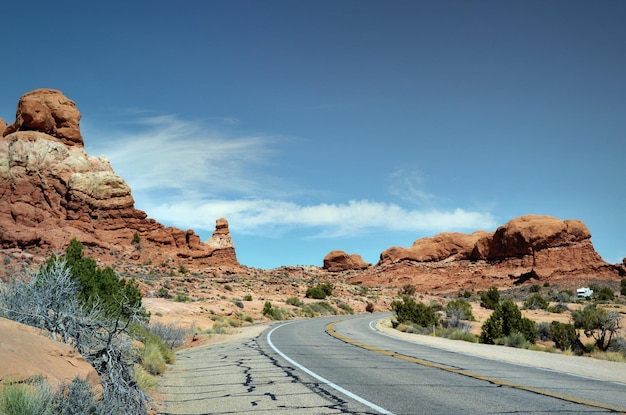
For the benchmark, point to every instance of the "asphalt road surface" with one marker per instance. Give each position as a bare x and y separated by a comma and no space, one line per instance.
363,371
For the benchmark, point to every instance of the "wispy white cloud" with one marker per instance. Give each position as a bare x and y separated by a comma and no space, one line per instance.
409,186
265,217
186,159
187,175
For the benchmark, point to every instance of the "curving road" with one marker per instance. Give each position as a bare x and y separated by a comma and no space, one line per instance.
381,374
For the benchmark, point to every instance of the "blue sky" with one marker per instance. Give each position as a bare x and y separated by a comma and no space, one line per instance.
347,124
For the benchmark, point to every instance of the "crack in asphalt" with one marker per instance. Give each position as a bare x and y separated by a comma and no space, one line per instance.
238,377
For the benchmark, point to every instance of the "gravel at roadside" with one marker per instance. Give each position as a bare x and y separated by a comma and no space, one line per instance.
576,365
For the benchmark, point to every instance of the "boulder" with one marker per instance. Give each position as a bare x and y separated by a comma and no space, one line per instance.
48,111
440,247
528,234
340,261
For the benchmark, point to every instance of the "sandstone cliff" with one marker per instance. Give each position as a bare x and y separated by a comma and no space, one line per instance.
51,191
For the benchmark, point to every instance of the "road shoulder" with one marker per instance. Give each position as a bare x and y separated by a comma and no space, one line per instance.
576,365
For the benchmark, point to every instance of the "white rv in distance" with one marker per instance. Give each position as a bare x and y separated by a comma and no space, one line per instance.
584,292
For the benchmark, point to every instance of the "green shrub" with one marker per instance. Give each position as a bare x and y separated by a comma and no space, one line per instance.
316,293
171,335
407,289
558,308
344,306
536,302
327,287
295,301
318,308
603,294
564,335
505,320
618,345
410,311
101,334
464,294
25,399
152,359
490,299
543,331
273,313
101,286
491,330
247,297
598,323
182,298
535,288
463,335
163,292
369,307
144,379
78,398
459,309
516,340
565,296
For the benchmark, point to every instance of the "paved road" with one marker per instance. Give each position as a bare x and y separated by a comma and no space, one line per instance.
432,381
288,369
238,377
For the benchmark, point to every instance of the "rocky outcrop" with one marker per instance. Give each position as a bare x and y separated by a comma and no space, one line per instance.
528,234
445,246
50,112
26,353
51,191
532,247
340,261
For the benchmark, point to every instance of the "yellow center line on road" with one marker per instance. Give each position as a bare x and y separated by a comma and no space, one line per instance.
330,329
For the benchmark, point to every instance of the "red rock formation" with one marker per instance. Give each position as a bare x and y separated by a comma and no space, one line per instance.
528,234
454,246
538,248
341,261
51,191
50,112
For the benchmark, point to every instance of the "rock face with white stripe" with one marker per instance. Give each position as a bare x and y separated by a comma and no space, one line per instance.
52,191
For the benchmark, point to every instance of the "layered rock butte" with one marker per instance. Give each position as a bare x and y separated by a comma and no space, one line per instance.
51,191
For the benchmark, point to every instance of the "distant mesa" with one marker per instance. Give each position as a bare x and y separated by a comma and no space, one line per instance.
53,191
